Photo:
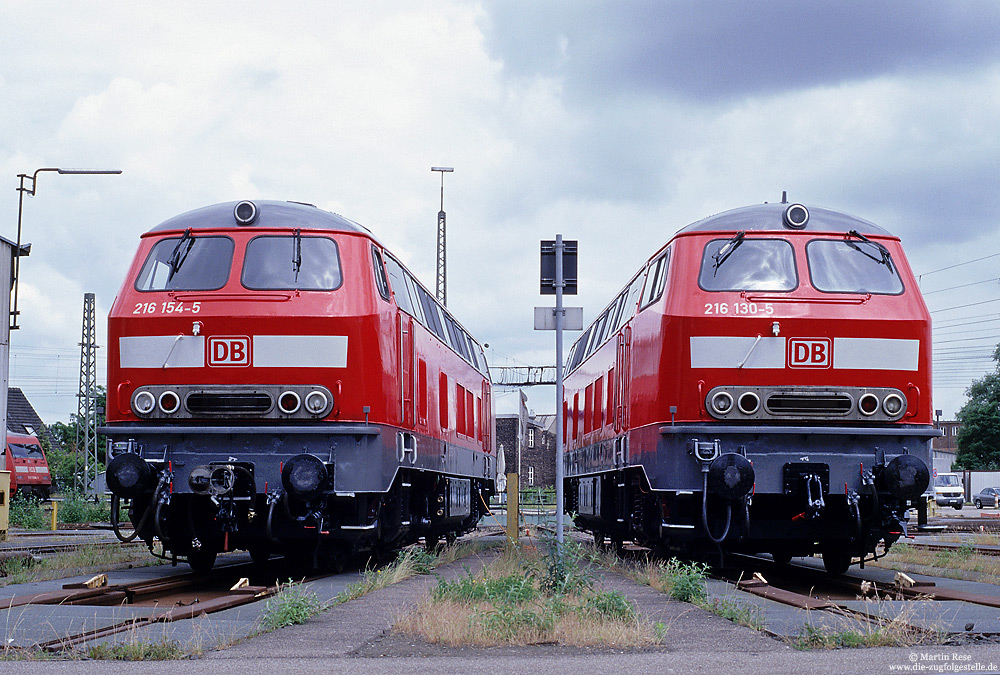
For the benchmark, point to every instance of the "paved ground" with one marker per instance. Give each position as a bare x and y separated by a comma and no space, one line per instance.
355,638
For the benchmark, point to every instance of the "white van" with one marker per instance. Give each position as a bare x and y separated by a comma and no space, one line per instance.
948,490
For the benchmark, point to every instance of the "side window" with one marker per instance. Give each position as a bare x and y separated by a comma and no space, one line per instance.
411,289
598,335
431,313
397,277
380,281
655,280
581,349
630,300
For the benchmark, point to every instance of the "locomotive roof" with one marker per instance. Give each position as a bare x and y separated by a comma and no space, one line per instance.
770,217
269,214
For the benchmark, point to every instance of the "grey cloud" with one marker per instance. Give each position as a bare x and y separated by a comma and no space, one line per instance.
715,51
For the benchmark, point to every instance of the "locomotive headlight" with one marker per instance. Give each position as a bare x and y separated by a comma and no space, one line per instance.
316,402
245,212
868,404
129,475
722,402
289,402
143,403
748,403
169,402
303,476
906,477
796,216
893,405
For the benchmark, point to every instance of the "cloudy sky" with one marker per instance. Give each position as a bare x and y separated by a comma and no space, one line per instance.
611,123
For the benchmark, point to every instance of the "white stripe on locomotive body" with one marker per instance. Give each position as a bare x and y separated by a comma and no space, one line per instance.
729,352
161,351
269,351
300,351
770,352
876,353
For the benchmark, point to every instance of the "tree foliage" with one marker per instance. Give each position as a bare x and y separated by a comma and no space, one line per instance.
62,454
979,435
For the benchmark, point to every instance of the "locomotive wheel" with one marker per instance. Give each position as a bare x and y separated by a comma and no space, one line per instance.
836,561
782,557
599,538
202,560
259,554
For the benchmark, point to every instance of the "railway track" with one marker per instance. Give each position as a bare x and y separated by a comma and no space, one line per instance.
160,600
811,589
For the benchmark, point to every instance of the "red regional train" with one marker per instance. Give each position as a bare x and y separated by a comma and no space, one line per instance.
762,384
27,464
278,382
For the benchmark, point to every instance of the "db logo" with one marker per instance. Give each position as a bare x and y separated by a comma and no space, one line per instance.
229,351
810,352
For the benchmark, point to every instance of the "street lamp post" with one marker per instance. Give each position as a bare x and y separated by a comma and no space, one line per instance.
30,191
27,186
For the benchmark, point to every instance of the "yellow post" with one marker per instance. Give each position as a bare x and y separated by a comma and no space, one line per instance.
513,509
4,504
55,513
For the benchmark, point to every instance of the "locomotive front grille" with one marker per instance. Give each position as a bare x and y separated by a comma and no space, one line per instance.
802,403
860,404
228,403
265,401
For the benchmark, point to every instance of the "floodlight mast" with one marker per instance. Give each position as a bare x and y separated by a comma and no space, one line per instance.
442,275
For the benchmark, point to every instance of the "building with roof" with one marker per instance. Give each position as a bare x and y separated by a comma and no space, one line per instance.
528,440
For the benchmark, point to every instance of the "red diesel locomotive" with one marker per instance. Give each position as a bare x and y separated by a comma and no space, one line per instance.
279,382
762,384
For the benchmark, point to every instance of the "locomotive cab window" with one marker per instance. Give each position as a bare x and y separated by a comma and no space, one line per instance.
292,262
26,451
187,263
852,266
741,264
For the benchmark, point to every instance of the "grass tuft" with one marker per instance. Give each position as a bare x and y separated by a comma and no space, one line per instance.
292,604
162,650
523,598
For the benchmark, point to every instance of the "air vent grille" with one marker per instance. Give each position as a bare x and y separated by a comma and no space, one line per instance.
228,403
804,403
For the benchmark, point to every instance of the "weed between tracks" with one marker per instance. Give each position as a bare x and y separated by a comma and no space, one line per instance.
86,559
686,582
962,563
870,630
293,603
523,598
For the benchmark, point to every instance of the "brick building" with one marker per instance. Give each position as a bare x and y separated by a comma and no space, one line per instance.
528,440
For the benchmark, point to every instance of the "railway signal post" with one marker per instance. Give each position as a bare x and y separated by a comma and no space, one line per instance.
558,277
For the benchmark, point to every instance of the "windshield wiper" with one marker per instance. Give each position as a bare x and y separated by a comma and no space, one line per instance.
885,258
180,253
727,250
297,252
